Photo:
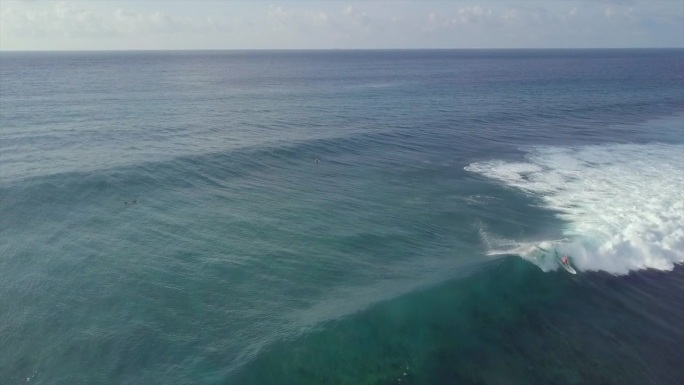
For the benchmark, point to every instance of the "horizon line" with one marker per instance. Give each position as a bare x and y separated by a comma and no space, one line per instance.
347,49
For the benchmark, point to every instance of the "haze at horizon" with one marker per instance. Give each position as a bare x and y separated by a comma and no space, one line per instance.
184,25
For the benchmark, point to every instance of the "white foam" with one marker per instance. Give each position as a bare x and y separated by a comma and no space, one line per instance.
541,254
623,204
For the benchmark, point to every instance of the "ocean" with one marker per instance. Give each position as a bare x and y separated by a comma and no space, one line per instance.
342,217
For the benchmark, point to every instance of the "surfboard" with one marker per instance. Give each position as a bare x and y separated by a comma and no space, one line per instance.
566,266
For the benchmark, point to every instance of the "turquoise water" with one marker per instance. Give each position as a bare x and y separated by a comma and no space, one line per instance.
342,217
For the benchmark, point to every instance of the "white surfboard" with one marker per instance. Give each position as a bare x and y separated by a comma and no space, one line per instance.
566,266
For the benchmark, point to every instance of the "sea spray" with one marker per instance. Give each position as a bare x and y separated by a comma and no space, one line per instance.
622,202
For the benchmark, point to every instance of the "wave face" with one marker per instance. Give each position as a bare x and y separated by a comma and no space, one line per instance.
622,203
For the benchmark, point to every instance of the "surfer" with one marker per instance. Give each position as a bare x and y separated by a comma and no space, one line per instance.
565,262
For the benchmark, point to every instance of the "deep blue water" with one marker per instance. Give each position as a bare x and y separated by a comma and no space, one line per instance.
342,217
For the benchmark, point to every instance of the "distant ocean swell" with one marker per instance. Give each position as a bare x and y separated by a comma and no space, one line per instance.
338,218
141,229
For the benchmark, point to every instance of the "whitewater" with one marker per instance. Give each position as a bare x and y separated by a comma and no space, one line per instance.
622,203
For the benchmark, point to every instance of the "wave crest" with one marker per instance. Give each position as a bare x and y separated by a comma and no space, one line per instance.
622,203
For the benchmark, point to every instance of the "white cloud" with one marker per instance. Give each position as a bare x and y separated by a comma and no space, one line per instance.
318,18
358,18
472,14
62,19
126,24
609,12
77,20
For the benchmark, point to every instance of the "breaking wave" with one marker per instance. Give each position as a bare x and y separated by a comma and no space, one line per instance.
623,203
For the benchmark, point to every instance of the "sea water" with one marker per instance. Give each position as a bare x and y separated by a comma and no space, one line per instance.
342,217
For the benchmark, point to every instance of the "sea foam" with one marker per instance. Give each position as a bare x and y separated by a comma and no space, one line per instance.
623,203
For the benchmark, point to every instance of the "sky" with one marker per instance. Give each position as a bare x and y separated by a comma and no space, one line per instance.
338,24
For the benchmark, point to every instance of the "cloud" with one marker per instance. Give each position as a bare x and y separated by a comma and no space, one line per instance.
77,20
472,14
61,19
311,25
352,24
286,27
615,2
356,17
317,17
526,15
130,22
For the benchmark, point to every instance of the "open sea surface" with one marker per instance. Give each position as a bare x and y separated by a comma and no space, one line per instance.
342,217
